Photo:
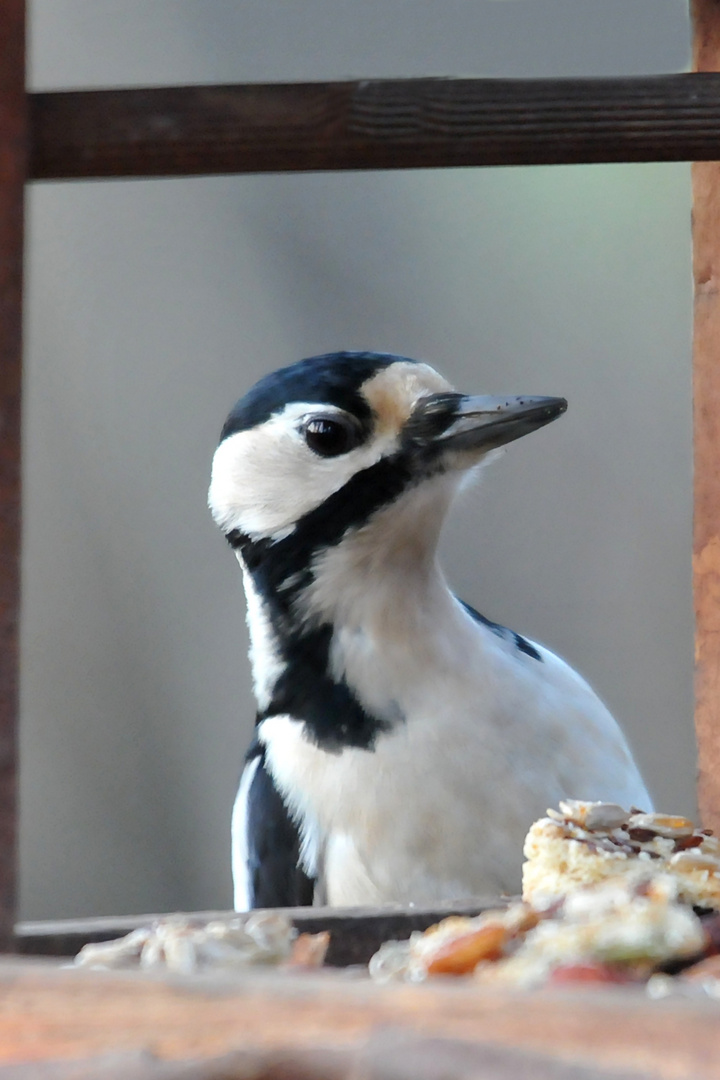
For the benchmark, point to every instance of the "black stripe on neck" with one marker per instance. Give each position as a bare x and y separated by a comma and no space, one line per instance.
333,716
281,569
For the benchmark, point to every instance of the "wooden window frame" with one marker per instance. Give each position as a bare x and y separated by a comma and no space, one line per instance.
370,124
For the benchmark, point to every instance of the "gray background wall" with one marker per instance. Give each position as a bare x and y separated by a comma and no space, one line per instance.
154,304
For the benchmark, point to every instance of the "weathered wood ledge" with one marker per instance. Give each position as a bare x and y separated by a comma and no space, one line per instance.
52,1014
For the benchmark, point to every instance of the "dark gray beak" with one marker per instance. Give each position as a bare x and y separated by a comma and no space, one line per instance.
453,422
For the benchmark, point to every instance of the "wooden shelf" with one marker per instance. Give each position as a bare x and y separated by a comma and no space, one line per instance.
328,1024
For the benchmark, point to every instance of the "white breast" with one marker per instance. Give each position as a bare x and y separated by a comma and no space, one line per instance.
484,737
439,809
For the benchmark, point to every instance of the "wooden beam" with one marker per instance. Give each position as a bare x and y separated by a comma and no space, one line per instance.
706,409
52,1015
372,124
12,179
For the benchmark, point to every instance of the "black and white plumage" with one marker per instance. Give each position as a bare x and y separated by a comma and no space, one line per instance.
404,743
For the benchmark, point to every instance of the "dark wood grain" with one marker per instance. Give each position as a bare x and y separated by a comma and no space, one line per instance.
12,179
373,124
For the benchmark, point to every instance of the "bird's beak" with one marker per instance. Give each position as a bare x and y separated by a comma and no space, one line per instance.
450,422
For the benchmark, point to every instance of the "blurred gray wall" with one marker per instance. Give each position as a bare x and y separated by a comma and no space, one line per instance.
154,304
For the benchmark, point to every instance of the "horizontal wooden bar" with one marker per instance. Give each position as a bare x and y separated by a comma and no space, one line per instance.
373,124
355,933
119,1024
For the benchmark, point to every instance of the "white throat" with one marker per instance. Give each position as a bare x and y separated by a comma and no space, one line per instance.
385,571
383,593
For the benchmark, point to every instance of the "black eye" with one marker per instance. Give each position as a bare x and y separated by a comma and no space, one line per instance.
329,438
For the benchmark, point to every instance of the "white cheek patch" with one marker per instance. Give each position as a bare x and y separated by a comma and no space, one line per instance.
265,479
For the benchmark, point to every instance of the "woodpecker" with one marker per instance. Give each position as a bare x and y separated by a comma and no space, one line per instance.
404,743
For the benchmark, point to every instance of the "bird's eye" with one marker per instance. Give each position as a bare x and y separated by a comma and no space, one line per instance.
329,438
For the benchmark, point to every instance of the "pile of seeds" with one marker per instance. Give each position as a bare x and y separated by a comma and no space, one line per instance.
184,944
623,930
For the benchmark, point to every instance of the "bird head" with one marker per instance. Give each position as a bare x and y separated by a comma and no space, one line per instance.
331,482
323,446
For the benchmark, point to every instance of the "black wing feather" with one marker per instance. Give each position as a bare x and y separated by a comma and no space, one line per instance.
521,643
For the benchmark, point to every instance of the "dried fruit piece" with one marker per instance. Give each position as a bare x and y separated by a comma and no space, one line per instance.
464,953
308,950
641,836
684,843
